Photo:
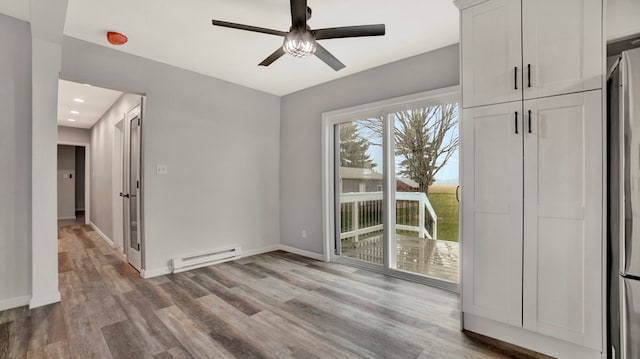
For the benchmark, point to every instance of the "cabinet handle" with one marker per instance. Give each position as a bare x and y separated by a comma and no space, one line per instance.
515,77
529,121
516,121
529,75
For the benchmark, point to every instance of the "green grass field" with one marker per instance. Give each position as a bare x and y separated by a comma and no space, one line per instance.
443,200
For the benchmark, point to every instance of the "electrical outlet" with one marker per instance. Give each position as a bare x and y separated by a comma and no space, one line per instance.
304,233
162,169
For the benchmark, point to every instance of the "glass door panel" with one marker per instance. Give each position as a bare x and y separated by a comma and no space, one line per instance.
426,203
134,155
359,190
132,186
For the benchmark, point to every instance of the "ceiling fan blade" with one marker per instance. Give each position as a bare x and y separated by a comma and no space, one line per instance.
349,31
248,28
273,57
298,14
328,59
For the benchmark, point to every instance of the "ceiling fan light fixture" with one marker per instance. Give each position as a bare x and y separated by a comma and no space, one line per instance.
299,44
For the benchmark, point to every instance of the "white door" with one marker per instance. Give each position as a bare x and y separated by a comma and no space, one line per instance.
118,185
132,185
562,294
492,211
491,53
562,46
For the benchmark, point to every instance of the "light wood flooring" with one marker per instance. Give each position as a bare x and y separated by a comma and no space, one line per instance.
275,305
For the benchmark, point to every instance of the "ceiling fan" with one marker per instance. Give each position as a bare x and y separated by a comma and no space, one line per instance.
301,41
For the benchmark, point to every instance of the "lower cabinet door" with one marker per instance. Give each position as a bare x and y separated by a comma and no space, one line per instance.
563,233
491,201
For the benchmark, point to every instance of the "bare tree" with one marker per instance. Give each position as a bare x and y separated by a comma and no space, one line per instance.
424,139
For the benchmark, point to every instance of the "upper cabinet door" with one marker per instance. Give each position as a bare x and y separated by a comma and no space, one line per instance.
563,208
622,18
491,53
562,46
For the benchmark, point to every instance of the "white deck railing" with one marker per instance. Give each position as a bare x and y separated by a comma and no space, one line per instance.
363,214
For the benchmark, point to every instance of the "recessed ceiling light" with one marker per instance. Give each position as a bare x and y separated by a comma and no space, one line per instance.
71,120
75,112
78,100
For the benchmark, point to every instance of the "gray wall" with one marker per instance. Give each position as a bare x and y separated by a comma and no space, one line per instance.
73,135
219,140
102,134
300,132
80,152
15,160
66,182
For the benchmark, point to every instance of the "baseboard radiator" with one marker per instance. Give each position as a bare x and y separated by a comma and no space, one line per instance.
181,264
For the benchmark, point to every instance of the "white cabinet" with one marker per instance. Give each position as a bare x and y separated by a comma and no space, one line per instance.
515,49
532,149
492,211
491,53
622,18
563,211
532,215
562,46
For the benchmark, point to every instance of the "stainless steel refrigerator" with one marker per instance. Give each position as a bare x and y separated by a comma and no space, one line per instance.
623,288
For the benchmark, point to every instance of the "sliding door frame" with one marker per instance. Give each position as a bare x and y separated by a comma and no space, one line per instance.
330,202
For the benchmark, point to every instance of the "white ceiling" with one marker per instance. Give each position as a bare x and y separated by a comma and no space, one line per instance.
96,102
180,33
16,8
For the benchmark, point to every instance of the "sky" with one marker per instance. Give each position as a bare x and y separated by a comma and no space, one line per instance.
447,174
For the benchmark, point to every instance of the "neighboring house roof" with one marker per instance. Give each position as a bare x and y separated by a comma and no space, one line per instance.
371,174
409,182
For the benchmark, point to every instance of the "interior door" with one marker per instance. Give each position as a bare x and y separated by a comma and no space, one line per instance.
562,46
563,211
132,184
492,211
491,53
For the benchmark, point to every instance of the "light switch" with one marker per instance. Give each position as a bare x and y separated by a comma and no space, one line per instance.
162,169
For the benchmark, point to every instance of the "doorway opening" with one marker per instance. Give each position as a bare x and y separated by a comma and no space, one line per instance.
108,124
73,185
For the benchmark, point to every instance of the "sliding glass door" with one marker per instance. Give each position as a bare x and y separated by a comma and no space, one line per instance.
359,185
395,188
426,205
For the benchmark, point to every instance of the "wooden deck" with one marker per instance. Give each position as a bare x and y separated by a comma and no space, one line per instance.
430,257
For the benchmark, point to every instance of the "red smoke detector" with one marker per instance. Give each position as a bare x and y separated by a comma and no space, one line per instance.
116,38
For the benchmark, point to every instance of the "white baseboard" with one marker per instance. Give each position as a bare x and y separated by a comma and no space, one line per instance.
101,234
255,252
65,218
282,247
301,252
43,300
16,302
155,272
533,341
